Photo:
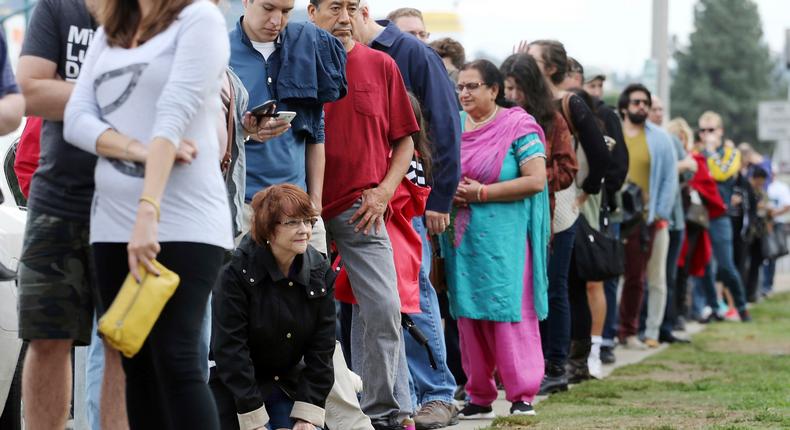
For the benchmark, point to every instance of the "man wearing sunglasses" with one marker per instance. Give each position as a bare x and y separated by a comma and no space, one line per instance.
653,167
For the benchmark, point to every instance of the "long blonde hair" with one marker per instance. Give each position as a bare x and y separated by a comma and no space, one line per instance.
122,18
680,128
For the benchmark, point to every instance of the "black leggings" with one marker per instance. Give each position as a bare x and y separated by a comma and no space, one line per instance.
165,388
581,318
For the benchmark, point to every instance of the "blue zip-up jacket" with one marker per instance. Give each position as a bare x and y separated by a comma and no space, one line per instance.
663,173
426,77
307,70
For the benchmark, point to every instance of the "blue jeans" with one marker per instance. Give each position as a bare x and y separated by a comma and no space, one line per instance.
93,378
610,290
769,271
721,239
555,331
278,406
428,384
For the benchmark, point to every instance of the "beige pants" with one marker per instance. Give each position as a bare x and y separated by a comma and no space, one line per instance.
657,283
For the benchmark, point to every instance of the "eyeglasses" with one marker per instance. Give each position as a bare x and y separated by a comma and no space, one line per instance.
422,35
707,130
637,102
471,86
296,223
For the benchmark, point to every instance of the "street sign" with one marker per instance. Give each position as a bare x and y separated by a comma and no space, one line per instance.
773,120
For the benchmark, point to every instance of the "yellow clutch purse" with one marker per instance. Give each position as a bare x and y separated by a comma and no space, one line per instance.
132,315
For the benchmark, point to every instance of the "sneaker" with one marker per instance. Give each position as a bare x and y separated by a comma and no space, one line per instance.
460,393
705,315
633,343
385,424
744,315
476,412
522,408
671,338
732,315
435,415
607,355
554,380
595,367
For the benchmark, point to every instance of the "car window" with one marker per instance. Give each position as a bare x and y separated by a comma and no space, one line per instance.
10,176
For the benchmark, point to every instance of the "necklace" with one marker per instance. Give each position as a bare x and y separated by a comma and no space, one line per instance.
476,124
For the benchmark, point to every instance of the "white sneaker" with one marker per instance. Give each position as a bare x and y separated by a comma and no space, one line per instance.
706,313
633,343
595,367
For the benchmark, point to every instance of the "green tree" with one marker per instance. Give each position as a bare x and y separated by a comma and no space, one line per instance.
726,68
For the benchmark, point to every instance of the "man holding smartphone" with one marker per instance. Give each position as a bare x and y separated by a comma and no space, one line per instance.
286,149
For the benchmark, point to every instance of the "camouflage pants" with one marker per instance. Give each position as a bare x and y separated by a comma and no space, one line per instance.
55,280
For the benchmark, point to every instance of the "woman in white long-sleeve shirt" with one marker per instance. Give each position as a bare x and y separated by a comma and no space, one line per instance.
149,85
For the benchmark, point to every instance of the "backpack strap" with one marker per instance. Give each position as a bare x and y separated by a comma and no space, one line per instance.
566,113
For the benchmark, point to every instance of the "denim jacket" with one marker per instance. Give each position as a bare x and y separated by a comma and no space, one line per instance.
663,173
310,70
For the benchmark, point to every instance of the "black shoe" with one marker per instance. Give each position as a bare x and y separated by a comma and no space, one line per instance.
6,274
680,324
576,368
522,408
460,393
607,355
476,412
578,374
671,338
385,424
745,317
554,380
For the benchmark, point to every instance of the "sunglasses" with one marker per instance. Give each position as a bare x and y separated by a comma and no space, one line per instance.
707,130
637,102
471,86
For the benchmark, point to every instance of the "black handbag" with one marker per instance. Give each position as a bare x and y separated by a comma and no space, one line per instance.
633,208
774,242
599,255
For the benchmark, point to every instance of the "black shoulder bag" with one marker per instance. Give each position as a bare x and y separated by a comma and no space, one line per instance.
599,255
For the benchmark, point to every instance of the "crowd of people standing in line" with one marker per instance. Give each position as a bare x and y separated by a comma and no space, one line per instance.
413,233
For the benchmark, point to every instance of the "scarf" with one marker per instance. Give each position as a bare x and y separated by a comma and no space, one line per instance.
724,164
483,151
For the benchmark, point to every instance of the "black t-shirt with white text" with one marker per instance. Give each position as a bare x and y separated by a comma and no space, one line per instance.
60,31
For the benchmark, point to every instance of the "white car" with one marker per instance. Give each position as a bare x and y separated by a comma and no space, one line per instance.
12,226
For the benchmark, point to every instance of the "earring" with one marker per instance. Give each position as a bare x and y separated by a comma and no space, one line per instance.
267,242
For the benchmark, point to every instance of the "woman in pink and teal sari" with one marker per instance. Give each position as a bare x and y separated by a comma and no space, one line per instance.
495,250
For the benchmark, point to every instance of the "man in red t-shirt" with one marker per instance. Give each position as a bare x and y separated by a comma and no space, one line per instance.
368,151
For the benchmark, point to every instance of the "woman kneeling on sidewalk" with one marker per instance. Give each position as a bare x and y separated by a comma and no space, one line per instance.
274,320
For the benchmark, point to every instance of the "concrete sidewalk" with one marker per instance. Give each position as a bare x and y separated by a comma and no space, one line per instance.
624,358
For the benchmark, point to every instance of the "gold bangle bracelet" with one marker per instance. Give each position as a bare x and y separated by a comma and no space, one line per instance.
152,202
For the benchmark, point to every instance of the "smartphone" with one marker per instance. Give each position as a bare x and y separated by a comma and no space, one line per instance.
285,115
266,108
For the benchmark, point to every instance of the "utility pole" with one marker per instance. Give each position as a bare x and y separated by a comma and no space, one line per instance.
660,50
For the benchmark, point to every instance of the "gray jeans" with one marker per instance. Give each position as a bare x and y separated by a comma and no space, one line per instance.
371,272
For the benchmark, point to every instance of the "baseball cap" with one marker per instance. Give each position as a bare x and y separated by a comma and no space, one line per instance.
592,73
